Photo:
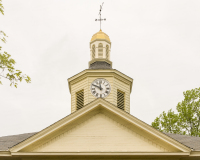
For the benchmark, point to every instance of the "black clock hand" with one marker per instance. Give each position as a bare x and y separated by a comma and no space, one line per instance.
100,86
96,86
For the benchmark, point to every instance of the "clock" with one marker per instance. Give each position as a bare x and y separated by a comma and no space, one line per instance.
100,88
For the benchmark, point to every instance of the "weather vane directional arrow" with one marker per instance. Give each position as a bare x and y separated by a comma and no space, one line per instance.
100,15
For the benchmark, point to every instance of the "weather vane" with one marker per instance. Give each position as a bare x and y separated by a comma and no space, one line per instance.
100,16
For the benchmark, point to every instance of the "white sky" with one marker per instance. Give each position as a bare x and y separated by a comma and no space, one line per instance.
156,42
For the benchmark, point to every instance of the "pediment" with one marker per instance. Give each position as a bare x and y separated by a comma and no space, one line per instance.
100,127
100,133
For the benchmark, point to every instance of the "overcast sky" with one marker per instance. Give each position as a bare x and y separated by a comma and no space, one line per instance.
156,42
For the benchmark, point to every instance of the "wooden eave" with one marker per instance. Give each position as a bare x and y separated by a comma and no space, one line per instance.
7,154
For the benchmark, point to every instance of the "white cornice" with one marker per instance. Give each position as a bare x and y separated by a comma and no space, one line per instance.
101,153
195,153
5,154
99,72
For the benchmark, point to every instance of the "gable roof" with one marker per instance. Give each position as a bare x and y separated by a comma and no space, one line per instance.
7,142
27,139
91,109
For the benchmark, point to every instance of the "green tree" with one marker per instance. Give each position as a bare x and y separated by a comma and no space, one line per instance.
187,119
167,122
189,112
7,69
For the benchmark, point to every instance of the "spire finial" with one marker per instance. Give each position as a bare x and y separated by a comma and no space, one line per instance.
100,16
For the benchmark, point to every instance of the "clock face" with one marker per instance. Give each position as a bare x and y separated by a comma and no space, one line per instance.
100,88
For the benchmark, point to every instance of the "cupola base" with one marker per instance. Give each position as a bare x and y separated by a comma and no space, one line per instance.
100,65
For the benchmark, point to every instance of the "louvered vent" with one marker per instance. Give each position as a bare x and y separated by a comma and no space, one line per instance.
79,100
100,50
107,51
120,99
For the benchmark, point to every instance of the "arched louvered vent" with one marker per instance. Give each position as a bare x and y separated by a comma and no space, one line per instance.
79,99
100,50
120,99
107,52
93,51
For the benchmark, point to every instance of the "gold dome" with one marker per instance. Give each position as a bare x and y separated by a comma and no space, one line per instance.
100,36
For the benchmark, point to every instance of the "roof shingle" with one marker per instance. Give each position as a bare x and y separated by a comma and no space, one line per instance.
7,142
190,141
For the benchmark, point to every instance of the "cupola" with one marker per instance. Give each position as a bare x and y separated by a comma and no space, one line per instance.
100,46
100,80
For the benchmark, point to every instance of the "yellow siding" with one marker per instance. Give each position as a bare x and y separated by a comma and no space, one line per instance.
100,133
